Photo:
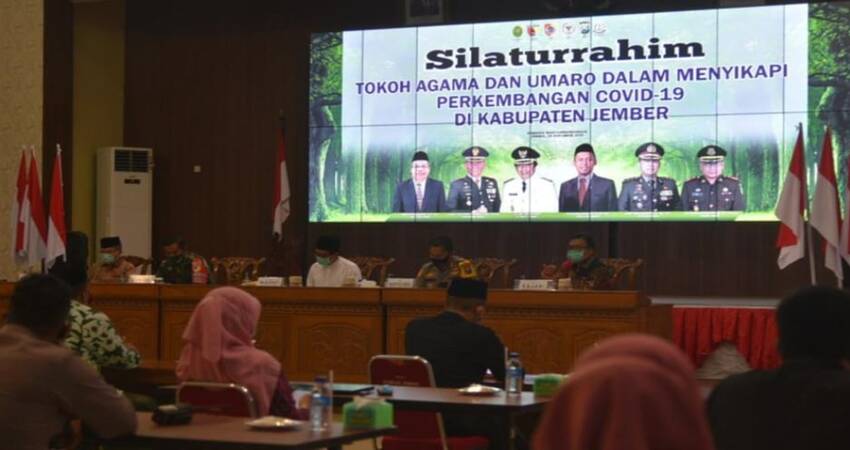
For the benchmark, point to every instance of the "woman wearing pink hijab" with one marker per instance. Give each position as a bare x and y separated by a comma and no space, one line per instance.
219,347
634,392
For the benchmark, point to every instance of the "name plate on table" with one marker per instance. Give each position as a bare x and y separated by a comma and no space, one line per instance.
141,279
270,281
534,285
404,283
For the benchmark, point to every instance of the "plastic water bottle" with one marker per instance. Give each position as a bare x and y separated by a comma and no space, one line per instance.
513,374
320,404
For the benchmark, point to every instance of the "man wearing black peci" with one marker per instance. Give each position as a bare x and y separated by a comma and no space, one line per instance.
420,193
460,351
458,347
587,191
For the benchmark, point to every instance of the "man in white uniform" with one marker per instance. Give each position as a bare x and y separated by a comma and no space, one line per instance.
330,269
529,192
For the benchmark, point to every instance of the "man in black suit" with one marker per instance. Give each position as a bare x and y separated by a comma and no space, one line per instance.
460,351
420,193
587,191
804,404
458,347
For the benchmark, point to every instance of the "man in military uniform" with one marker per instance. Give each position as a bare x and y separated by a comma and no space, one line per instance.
649,192
529,192
473,192
712,191
443,265
181,266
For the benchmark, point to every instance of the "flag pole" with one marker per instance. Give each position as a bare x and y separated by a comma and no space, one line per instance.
811,239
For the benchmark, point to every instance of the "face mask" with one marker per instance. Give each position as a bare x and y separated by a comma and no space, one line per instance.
575,255
107,258
323,261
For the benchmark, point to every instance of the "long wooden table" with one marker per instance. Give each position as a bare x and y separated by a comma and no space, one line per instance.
220,432
313,330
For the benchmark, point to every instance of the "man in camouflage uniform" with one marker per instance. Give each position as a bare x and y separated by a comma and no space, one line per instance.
474,193
712,191
443,265
181,266
649,192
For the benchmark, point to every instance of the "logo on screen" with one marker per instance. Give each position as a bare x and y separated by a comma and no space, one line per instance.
569,29
532,30
517,31
584,25
549,29
599,28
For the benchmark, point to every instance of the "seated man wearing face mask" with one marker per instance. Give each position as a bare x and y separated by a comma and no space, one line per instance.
331,269
583,267
443,265
111,267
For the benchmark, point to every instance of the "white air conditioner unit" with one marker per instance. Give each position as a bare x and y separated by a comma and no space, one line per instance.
125,197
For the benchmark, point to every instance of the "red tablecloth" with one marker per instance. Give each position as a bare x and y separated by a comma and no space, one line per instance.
698,331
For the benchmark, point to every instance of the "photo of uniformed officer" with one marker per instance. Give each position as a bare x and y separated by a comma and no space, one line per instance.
528,192
712,191
587,191
474,193
649,192
420,193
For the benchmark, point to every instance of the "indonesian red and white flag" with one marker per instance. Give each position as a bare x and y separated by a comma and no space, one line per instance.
36,223
56,235
826,211
791,208
281,187
19,223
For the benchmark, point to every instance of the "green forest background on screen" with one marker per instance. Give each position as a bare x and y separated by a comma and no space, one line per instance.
359,186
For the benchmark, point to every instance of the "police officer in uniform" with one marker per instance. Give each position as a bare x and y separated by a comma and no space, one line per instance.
712,191
528,192
649,192
474,193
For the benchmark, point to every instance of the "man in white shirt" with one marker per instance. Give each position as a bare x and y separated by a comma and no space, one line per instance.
529,192
331,269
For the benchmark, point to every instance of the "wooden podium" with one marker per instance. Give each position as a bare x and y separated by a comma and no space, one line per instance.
313,330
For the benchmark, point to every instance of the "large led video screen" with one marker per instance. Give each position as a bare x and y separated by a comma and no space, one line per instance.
672,116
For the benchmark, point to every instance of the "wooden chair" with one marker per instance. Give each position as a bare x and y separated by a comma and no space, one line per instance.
487,268
143,265
223,399
233,270
421,430
549,271
625,271
368,264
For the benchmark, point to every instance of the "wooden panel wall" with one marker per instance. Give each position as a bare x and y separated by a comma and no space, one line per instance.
58,97
205,83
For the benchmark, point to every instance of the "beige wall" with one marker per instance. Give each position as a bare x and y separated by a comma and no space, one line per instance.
98,99
21,98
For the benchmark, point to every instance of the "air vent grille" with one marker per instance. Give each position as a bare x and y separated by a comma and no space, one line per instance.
131,161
